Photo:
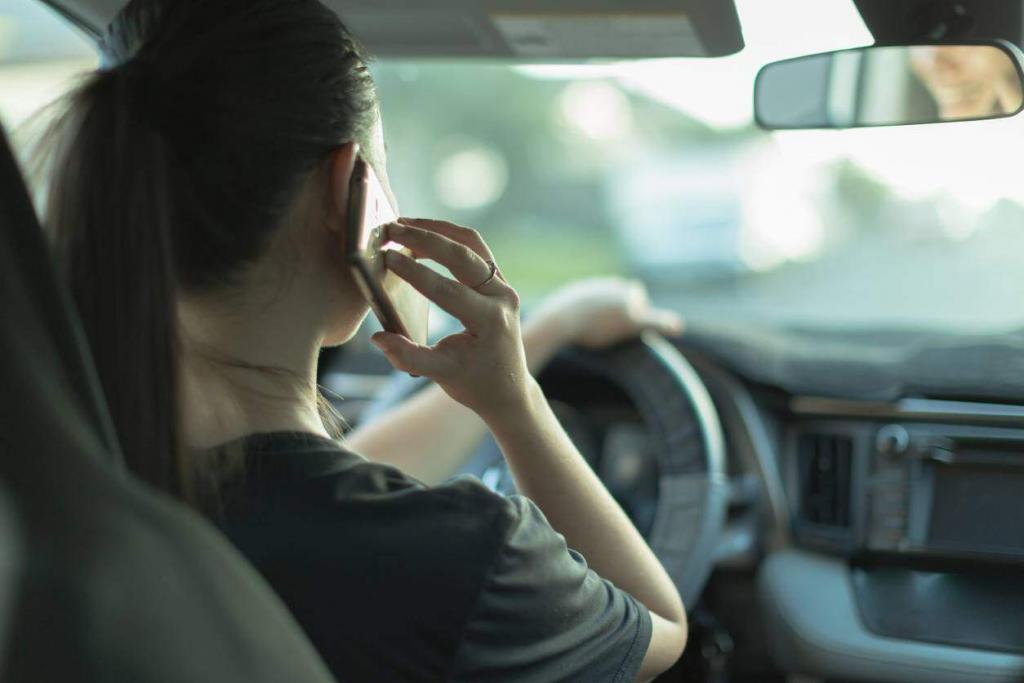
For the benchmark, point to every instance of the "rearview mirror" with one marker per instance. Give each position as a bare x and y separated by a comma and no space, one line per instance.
890,86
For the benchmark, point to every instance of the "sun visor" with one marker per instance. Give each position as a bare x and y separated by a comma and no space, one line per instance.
521,30
528,30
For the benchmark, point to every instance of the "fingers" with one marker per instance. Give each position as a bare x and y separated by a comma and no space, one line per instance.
666,322
463,262
451,295
647,317
457,233
410,357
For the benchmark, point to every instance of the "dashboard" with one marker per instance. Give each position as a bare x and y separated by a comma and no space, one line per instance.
863,539
898,527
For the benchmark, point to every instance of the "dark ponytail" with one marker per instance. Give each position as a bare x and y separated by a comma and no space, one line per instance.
110,214
172,166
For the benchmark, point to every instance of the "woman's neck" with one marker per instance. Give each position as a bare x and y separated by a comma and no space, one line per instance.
247,367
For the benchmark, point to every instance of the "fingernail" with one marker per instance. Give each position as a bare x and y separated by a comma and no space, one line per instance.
379,340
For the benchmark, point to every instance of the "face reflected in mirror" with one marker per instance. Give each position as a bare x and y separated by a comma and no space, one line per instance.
890,85
968,81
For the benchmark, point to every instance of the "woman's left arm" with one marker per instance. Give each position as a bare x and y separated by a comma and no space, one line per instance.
430,436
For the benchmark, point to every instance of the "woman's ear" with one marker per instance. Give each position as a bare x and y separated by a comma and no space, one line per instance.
340,167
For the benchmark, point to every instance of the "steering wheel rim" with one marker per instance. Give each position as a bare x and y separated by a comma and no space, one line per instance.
686,438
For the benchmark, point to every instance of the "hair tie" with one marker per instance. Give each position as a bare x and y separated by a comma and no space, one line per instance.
144,82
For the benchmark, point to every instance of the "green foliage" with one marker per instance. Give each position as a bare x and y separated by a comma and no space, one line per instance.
552,222
861,195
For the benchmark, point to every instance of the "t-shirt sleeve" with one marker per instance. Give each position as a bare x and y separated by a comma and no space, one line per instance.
542,615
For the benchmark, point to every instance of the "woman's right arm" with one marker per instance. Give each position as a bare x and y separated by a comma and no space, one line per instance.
549,470
484,368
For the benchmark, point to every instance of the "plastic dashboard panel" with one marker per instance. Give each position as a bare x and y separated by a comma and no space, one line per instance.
815,628
976,610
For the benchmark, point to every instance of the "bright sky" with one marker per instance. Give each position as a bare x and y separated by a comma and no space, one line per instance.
976,163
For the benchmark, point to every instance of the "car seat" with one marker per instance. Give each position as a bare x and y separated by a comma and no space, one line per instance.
101,577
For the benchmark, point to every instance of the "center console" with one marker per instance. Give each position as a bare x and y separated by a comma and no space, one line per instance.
926,509
915,489
908,542
946,491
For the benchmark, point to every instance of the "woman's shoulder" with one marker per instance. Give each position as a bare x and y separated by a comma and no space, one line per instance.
285,473
366,557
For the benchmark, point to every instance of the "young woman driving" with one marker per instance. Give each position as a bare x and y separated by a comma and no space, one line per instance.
198,207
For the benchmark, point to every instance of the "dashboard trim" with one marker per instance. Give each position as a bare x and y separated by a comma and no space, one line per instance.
909,409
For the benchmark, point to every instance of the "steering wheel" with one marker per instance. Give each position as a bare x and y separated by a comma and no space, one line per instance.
668,471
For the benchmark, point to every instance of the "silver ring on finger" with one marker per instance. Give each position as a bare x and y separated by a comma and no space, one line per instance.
490,276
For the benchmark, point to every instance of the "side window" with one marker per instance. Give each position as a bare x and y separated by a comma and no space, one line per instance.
41,53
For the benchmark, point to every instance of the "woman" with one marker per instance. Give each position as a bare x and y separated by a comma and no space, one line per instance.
968,81
197,205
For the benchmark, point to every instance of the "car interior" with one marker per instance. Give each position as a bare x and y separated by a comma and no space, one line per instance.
829,461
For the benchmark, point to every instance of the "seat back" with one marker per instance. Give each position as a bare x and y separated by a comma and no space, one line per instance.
102,578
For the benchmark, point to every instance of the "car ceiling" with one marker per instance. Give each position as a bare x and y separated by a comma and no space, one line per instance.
553,30
526,30
907,21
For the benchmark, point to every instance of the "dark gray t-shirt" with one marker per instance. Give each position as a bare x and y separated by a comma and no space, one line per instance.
396,581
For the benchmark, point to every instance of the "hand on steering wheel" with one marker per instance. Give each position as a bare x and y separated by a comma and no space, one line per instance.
484,366
600,312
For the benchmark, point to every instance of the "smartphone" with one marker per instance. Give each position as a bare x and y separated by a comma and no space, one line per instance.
396,304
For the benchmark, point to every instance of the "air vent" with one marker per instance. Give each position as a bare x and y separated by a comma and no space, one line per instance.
825,461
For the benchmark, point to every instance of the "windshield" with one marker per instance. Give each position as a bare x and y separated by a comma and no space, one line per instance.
655,170
41,54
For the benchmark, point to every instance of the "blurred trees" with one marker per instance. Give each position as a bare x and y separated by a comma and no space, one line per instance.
558,145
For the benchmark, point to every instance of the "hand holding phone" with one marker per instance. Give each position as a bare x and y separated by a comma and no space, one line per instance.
483,367
399,308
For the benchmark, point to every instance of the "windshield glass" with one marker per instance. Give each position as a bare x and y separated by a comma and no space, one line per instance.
41,54
655,170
